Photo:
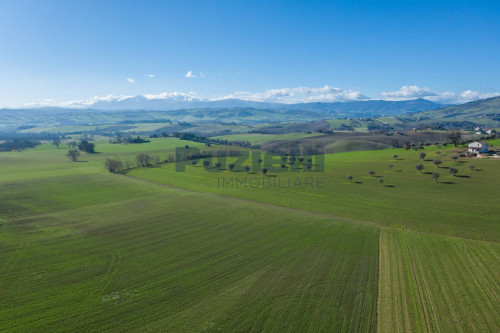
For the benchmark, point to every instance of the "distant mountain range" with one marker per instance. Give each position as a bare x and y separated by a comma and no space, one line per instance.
337,109
412,113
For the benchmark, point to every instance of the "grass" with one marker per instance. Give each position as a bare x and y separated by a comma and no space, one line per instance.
158,250
433,283
407,199
156,264
257,138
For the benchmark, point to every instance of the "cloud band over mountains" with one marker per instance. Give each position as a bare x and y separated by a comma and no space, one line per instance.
284,95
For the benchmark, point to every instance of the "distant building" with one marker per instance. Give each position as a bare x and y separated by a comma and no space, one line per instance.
478,147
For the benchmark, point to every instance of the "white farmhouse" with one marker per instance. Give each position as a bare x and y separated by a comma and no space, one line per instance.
478,147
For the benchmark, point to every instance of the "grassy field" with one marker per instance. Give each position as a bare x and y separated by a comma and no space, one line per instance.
407,198
431,283
89,250
257,138
82,249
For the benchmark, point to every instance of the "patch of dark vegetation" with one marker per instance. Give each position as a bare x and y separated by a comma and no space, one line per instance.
208,141
128,139
18,144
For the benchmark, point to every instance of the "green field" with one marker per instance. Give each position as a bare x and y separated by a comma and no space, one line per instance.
435,283
257,138
153,249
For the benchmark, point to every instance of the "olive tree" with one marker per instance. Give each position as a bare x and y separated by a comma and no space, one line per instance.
435,176
437,162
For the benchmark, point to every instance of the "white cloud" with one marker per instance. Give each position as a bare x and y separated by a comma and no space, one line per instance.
130,80
408,92
469,95
299,95
285,95
190,74
92,100
151,75
447,97
174,96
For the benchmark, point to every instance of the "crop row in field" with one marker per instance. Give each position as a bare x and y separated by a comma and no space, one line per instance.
433,283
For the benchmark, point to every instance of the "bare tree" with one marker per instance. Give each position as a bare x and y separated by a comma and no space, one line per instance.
56,142
455,136
247,168
422,156
471,167
391,166
452,171
113,165
73,154
264,171
381,180
143,159
350,177
419,167
372,173
437,162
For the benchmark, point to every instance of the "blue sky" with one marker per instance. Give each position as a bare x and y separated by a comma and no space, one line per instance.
61,51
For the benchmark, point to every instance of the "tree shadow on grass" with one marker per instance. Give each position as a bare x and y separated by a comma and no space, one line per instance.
80,161
447,183
427,173
358,182
389,186
462,176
